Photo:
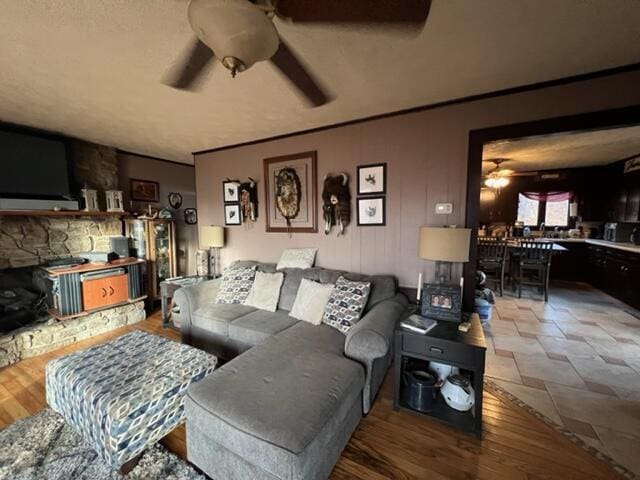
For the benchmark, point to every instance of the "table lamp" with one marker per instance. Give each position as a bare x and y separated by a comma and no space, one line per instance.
444,246
212,237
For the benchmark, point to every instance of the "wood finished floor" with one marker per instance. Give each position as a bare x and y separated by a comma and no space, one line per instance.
387,444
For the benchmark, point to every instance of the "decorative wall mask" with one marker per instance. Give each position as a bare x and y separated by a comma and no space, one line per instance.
288,194
336,202
249,201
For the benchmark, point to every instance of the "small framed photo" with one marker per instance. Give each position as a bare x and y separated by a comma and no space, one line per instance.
190,216
371,211
144,190
232,214
442,302
372,179
230,192
175,200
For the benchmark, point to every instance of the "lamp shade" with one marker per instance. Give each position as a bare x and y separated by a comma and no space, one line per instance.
444,244
212,236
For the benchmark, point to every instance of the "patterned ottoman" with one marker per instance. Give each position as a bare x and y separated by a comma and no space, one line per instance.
126,394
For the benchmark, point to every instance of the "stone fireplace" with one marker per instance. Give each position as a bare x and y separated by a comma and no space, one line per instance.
26,242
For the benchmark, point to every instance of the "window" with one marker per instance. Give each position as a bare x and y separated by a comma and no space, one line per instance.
528,210
557,214
553,207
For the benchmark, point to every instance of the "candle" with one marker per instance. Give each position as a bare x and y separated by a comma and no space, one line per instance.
419,287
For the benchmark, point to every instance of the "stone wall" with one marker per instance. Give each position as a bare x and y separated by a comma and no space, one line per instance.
52,334
30,241
94,165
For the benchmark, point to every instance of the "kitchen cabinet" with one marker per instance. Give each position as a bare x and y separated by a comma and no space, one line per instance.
616,272
632,211
595,265
569,265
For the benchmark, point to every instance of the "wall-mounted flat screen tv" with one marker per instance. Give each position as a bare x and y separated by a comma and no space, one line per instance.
33,166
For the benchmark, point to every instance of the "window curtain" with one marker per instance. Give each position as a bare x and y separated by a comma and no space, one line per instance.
549,196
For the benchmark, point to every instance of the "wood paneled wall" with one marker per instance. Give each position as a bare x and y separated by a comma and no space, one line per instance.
426,154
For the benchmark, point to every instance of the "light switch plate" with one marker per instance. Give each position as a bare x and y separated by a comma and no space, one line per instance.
444,208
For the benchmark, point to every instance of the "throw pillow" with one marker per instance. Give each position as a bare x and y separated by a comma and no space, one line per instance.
265,292
310,301
235,285
297,258
346,303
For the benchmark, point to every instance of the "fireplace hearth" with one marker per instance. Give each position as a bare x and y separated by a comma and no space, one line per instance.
27,330
21,303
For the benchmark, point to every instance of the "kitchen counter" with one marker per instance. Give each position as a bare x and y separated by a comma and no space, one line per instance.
626,246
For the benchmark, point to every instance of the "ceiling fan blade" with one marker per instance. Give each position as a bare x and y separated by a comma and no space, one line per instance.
356,11
287,62
185,75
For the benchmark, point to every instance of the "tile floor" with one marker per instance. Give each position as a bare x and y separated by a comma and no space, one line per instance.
575,359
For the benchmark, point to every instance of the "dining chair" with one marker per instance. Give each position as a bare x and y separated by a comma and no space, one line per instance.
492,258
534,266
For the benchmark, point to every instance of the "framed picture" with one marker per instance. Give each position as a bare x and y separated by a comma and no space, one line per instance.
291,196
371,211
442,301
190,216
230,192
372,179
232,214
144,190
175,200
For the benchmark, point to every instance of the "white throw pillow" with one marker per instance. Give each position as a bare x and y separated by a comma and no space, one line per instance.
297,258
310,301
265,292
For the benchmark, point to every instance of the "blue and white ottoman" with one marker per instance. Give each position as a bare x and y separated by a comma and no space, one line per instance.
127,394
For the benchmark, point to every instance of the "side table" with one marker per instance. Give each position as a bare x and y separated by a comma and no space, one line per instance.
169,287
444,344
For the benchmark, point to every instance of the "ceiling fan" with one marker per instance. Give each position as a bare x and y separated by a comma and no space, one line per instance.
240,33
499,177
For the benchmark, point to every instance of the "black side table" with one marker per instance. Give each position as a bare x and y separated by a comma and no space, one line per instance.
445,344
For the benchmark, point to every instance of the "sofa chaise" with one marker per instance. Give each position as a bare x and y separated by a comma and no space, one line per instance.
290,394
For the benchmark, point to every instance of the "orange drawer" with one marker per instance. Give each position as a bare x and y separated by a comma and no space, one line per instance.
102,292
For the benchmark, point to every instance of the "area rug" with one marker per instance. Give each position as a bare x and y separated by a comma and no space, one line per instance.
44,446
501,392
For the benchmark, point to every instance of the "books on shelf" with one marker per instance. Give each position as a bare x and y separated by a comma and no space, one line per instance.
418,324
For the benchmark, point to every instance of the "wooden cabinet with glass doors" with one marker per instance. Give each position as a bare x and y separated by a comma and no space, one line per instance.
155,241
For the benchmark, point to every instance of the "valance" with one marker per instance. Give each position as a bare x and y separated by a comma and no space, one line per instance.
549,196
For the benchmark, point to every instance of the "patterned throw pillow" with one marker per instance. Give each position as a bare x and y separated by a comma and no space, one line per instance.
346,303
297,258
235,285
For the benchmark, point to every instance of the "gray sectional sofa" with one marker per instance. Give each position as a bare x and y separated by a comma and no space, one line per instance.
290,395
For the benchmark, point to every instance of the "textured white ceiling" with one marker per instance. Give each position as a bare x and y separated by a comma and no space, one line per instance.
564,150
92,69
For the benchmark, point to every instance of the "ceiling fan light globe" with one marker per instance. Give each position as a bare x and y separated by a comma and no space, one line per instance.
234,29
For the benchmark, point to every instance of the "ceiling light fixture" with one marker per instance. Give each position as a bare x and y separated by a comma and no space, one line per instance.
243,34
496,182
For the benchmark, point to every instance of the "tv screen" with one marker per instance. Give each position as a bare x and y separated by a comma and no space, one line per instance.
32,166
